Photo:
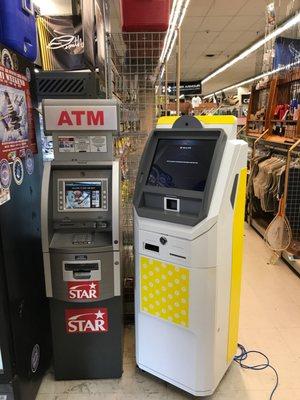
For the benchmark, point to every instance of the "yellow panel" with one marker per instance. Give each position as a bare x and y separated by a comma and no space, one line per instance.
165,290
237,259
217,119
206,119
167,120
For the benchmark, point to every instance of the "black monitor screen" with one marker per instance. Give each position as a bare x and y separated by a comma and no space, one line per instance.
82,195
181,164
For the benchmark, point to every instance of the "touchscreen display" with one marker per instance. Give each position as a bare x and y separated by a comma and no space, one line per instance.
181,164
82,195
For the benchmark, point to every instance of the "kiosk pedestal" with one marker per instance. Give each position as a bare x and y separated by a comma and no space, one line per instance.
189,214
81,239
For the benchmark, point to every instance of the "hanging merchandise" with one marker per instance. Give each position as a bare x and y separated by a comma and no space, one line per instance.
17,27
17,132
287,51
61,42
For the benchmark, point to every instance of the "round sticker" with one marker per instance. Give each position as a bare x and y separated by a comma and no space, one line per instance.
6,59
35,358
5,174
29,162
18,171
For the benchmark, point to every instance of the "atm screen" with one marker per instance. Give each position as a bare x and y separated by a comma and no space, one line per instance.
181,163
82,195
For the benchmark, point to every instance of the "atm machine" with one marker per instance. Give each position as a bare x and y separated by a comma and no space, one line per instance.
189,215
81,238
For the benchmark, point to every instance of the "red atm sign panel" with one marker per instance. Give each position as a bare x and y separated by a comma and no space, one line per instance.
83,118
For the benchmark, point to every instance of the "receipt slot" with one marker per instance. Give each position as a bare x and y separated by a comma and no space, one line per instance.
81,239
189,213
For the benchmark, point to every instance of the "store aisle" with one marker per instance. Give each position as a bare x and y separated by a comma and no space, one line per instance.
270,322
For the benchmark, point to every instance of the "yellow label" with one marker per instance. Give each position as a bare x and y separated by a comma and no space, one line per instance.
165,290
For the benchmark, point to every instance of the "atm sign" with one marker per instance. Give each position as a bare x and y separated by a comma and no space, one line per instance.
79,118
62,118
83,290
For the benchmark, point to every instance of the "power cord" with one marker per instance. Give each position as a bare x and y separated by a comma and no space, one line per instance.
240,358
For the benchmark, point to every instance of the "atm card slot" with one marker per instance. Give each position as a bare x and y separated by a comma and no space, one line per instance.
81,267
151,247
178,256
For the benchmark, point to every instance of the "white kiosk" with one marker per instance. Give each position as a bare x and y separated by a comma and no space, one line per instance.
189,215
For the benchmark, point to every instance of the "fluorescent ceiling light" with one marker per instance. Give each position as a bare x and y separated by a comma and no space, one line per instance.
255,78
282,28
177,14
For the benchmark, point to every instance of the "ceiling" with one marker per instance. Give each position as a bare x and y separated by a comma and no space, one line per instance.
222,28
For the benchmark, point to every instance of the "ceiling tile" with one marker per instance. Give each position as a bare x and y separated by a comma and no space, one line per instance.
254,7
228,36
191,24
214,23
225,7
199,8
242,22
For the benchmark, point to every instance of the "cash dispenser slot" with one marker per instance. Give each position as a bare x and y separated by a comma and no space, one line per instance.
82,271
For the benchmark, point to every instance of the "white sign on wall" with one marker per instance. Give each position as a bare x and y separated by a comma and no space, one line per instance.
80,118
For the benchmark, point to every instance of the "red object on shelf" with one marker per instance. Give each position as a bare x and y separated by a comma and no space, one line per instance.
145,15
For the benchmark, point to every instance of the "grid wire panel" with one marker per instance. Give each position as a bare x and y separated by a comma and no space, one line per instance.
135,59
135,70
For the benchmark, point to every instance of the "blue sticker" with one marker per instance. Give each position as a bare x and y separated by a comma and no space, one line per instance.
5,174
29,162
18,171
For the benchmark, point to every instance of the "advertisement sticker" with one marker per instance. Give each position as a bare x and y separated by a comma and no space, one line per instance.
84,290
66,144
16,118
86,320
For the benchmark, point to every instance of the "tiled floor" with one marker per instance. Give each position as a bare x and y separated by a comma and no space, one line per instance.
270,322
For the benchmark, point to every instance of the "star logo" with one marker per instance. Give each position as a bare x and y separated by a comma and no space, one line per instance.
99,315
93,286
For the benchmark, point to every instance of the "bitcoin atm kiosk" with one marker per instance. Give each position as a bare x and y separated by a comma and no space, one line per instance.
189,214
81,239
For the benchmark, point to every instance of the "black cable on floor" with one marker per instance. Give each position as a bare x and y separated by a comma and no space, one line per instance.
240,358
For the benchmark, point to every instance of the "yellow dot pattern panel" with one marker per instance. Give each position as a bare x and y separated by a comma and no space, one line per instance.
165,290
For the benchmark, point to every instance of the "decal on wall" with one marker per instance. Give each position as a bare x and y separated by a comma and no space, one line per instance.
18,171
5,174
29,162
83,290
165,290
86,320
17,131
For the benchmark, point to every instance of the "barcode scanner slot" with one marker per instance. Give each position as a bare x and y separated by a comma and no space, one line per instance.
151,247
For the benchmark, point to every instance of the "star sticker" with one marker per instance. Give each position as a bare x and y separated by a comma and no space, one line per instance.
93,286
99,315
